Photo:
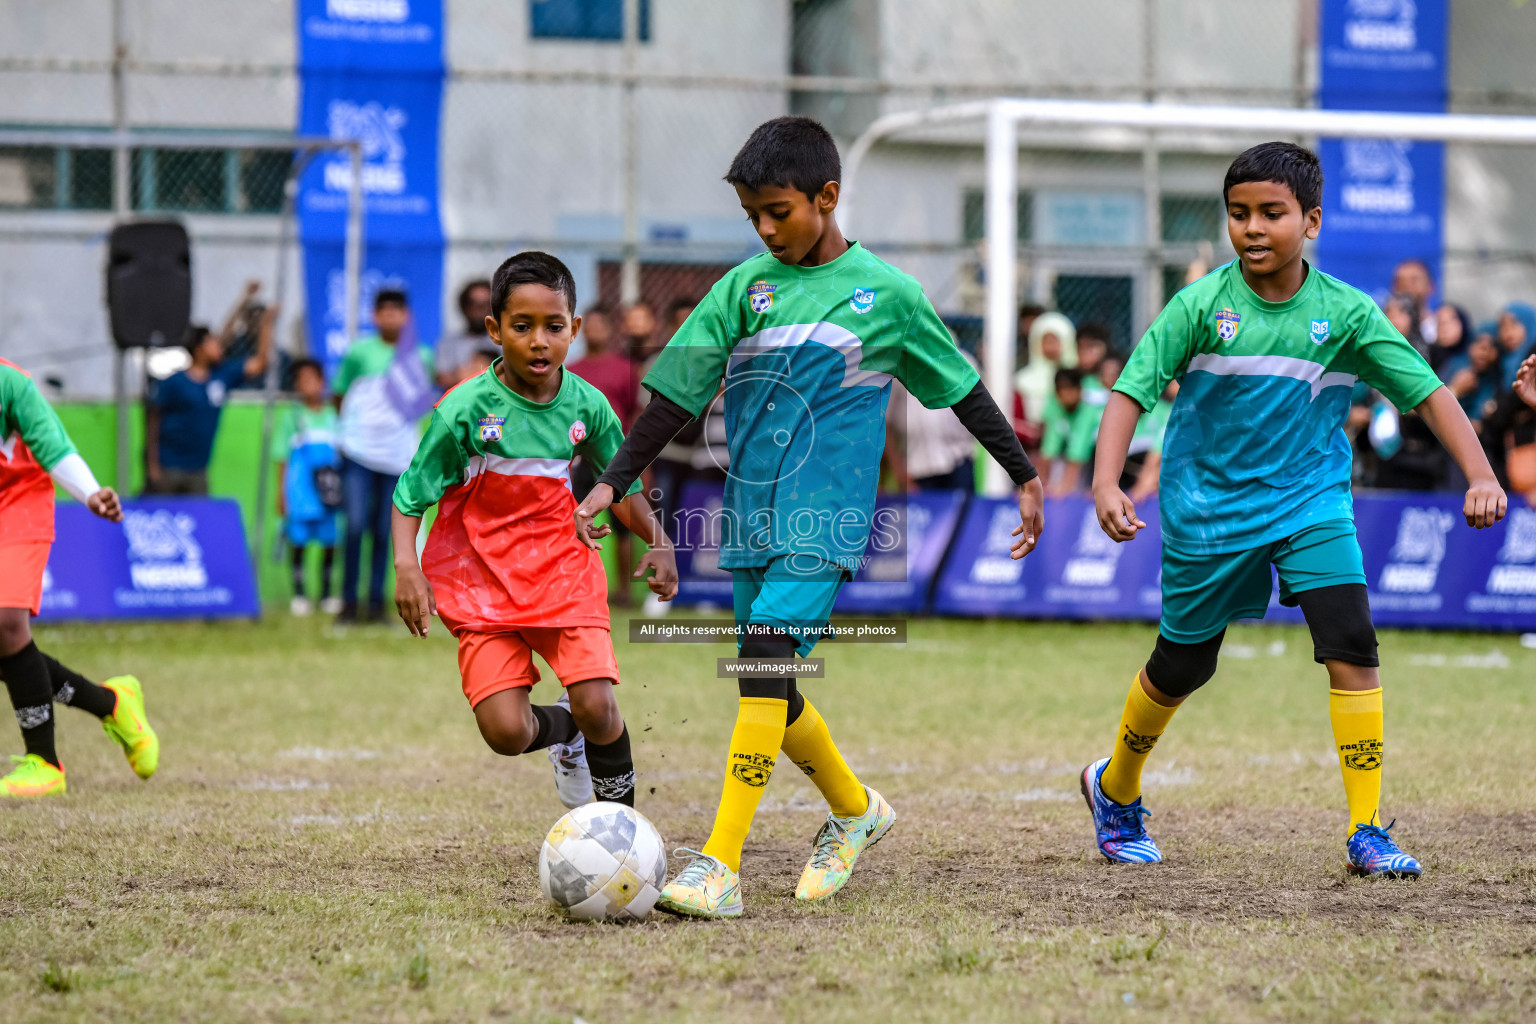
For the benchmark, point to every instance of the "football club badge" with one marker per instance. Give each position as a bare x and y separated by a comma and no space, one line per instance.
490,428
760,296
1319,331
578,432
863,300
1226,324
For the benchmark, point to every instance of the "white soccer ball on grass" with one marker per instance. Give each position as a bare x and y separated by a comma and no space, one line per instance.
603,862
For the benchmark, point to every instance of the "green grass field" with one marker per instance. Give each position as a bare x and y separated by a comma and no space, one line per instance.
328,839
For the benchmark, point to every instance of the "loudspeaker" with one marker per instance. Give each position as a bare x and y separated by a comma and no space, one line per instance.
149,283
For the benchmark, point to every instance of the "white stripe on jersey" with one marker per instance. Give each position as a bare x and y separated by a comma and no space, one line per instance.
1303,370
844,341
554,469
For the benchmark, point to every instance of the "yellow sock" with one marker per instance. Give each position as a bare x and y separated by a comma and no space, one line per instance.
754,746
1357,732
809,744
1142,722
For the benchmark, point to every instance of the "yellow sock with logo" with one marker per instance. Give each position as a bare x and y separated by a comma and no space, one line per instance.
809,744
1357,732
755,745
1141,723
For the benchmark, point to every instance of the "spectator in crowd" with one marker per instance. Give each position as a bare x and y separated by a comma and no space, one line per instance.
1402,314
181,416
933,450
1413,280
612,373
1453,334
1525,381
1517,332
639,328
309,483
680,309
1028,432
456,352
1085,423
1094,342
1477,378
1052,345
1056,425
1509,433
379,431
599,331
1147,446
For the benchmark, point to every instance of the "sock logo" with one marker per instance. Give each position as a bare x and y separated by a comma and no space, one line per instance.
753,769
614,787
1364,756
805,766
1138,742
31,718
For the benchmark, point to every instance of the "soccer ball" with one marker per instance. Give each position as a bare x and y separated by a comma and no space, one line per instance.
603,862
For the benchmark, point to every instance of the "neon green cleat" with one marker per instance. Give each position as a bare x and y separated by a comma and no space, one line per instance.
838,846
128,725
705,888
33,777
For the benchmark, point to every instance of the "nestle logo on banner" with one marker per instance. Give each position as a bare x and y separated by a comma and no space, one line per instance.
991,567
1413,564
1516,574
378,128
162,552
1378,176
1095,556
368,10
1381,25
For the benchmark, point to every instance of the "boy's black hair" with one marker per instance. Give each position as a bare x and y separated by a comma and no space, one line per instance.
787,152
1098,330
390,296
1069,377
531,267
304,363
194,337
1295,167
478,282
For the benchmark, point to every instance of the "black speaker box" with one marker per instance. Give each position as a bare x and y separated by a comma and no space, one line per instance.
149,283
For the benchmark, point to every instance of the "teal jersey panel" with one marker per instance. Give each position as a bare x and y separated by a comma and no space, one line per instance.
1255,448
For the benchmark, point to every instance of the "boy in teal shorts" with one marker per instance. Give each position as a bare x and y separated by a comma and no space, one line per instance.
807,338
1256,471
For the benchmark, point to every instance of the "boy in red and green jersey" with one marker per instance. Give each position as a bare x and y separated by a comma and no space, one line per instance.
33,448
501,566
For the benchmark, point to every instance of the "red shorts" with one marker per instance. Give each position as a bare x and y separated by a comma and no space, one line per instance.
21,575
492,662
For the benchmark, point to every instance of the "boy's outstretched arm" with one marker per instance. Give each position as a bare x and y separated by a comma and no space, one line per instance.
1116,511
1485,503
635,513
979,414
658,424
413,594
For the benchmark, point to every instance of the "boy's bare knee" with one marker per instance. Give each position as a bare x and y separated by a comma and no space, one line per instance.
595,711
15,630
506,738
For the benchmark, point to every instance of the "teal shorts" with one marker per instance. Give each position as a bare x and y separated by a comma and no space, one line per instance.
1202,594
792,593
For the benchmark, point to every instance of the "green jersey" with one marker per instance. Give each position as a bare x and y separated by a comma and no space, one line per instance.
1255,448
807,355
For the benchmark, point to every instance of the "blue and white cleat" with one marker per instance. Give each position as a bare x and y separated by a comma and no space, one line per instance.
1118,830
1373,853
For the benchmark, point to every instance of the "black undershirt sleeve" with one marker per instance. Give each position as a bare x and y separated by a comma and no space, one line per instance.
658,424
986,422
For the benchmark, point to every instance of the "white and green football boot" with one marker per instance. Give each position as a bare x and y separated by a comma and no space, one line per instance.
838,845
707,887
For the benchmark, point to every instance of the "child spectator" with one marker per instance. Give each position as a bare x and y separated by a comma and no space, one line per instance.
1056,427
309,483
1052,346
1476,379
456,353
1517,330
1093,344
1085,422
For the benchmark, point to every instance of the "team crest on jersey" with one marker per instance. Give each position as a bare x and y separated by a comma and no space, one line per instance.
578,432
490,428
1319,331
863,300
760,296
1226,324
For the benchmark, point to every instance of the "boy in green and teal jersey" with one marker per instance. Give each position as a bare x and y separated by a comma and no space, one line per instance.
806,338
1256,471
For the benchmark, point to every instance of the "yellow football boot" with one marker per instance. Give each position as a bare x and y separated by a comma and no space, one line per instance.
838,846
705,888
32,777
128,725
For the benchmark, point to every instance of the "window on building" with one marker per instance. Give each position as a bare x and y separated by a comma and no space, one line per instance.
1199,218
49,177
177,180
973,215
600,20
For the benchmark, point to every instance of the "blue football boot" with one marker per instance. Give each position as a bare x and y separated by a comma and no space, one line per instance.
1117,828
1372,852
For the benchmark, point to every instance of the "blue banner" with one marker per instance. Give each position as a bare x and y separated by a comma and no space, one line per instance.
1382,198
701,581
1424,566
372,70
911,535
170,558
